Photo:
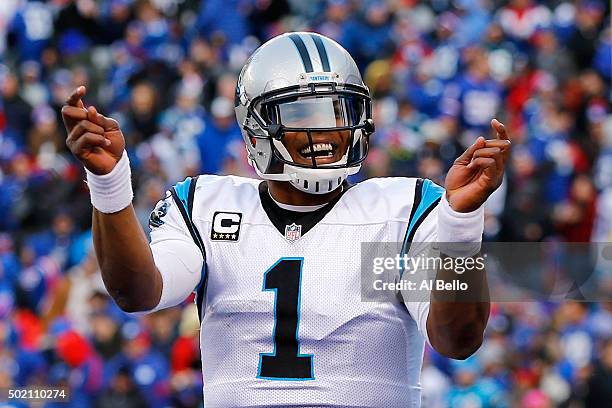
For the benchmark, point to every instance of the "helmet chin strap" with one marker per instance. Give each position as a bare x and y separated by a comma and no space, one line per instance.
312,181
273,177
304,180
319,181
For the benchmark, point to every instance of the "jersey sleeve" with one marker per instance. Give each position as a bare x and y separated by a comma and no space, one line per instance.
421,233
177,257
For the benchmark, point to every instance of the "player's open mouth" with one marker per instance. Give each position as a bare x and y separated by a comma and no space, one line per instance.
322,150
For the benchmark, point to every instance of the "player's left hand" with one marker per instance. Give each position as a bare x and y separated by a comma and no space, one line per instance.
478,171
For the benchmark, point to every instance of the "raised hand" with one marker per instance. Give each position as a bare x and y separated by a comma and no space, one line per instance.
478,171
94,139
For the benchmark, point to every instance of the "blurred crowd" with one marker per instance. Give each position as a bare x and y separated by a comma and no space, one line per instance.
166,70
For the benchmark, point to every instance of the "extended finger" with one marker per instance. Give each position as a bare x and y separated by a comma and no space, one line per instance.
75,98
502,144
500,129
469,152
88,141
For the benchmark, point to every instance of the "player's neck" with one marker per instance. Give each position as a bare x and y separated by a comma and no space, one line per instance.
284,192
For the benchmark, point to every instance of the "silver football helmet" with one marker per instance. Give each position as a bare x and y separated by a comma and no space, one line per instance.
304,84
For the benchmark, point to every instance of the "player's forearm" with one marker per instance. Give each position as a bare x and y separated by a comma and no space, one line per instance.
459,306
128,269
457,318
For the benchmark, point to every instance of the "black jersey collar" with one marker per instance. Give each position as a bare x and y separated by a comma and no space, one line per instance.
282,218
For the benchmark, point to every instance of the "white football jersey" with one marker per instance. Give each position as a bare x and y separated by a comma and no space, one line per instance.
283,323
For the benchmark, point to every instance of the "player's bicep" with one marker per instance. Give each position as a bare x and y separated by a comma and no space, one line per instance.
177,257
180,264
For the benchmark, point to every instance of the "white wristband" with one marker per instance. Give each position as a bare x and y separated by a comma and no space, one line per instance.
112,192
459,234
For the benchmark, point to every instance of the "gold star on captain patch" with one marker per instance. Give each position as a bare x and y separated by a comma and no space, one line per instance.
215,235
227,236
233,236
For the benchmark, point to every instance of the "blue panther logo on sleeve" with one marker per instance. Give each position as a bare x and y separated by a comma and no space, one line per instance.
159,212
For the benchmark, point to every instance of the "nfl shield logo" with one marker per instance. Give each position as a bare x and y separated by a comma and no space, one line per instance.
293,232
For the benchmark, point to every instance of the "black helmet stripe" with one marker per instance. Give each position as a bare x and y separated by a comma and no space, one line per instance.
301,47
322,52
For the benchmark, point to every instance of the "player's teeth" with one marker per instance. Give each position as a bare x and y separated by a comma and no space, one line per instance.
317,148
322,146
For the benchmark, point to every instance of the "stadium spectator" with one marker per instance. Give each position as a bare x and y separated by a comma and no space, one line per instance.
221,131
438,71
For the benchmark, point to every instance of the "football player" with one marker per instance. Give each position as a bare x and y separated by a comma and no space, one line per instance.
275,263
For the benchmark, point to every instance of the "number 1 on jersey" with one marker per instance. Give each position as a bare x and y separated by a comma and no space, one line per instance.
285,362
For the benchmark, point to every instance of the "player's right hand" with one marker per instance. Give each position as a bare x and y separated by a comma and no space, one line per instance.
94,139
